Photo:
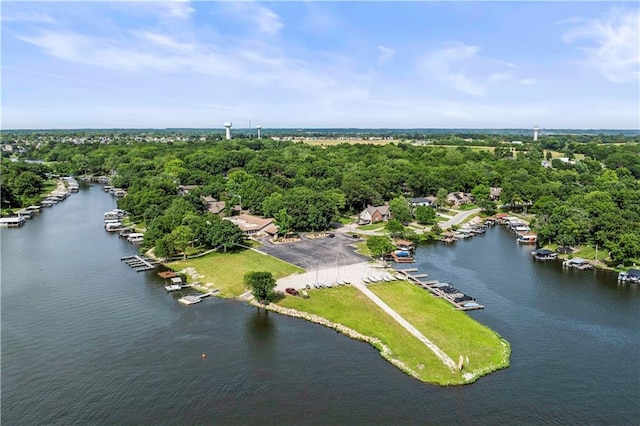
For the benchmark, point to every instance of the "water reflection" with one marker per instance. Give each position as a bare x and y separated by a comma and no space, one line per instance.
260,333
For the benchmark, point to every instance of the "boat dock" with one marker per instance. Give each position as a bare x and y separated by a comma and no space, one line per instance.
139,263
444,291
192,299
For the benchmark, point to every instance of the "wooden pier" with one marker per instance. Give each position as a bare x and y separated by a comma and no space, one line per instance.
433,286
139,263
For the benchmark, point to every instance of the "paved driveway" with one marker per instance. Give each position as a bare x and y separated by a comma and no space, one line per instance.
321,253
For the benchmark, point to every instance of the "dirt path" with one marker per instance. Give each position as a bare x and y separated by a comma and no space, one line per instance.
446,360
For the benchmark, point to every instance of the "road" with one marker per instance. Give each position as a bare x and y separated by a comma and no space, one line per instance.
458,218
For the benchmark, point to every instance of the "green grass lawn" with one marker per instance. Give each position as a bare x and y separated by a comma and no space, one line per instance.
589,252
455,332
371,226
226,270
49,185
346,220
466,207
348,306
362,248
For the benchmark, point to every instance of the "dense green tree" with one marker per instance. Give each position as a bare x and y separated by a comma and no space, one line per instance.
425,215
441,198
182,237
379,245
261,285
625,249
400,209
394,227
283,221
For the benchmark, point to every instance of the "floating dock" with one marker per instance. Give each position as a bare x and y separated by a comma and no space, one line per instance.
139,263
192,299
438,290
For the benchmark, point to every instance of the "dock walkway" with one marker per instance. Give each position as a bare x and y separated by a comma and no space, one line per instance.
432,286
139,263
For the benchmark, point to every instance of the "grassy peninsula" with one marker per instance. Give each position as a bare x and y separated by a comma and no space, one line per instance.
453,331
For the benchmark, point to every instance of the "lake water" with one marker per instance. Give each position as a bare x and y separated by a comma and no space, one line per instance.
87,340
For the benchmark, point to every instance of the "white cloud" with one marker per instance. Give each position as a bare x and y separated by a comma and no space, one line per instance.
30,17
455,64
611,44
177,8
267,20
528,81
263,18
163,40
385,53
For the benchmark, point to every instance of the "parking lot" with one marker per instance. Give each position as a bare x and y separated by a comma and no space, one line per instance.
317,253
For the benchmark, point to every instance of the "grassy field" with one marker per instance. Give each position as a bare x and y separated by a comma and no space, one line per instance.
473,148
362,248
455,332
371,227
328,142
348,306
346,220
226,270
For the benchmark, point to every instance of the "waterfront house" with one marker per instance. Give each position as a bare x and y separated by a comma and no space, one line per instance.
456,199
429,201
374,214
254,226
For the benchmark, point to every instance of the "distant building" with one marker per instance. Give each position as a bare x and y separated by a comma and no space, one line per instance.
184,189
374,214
423,201
457,199
494,193
254,226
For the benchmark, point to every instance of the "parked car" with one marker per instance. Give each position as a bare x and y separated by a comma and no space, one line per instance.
291,291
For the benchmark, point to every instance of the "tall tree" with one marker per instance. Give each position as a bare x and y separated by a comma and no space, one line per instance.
401,209
261,285
379,245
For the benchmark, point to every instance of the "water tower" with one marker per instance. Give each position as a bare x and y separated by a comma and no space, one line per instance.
227,127
259,127
535,133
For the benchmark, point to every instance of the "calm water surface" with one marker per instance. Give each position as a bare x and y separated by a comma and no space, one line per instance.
86,340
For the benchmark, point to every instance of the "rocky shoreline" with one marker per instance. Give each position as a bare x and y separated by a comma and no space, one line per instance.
385,352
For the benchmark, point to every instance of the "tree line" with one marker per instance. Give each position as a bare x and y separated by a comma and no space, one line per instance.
306,187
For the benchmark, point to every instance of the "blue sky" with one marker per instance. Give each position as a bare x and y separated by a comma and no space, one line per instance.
320,64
